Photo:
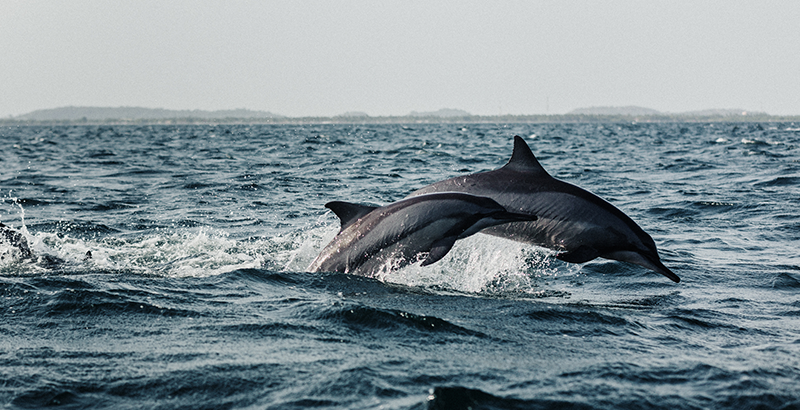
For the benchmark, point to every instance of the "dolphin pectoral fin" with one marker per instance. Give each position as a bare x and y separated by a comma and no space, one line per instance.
439,249
580,254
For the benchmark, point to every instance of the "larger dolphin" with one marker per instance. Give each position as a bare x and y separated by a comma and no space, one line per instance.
576,223
406,231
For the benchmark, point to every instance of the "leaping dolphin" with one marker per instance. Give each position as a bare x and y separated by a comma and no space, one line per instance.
576,223
424,227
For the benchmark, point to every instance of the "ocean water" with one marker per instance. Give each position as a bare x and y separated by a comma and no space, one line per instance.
196,294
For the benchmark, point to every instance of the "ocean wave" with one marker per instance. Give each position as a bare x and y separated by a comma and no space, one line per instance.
197,293
367,318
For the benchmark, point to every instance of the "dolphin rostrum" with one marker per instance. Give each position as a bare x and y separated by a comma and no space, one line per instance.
576,223
424,227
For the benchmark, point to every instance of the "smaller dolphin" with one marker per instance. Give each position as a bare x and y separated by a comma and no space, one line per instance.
406,231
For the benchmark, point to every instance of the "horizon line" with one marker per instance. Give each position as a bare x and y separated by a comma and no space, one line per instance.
53,114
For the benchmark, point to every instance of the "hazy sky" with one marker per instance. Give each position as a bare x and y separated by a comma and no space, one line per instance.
302,58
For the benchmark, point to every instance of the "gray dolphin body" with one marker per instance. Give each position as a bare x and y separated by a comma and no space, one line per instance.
571,220
403,232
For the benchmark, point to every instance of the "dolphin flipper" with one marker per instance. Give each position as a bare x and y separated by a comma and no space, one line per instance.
580,254
439,249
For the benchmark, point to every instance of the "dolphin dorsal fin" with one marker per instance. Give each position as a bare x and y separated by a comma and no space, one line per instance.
349,212
523,160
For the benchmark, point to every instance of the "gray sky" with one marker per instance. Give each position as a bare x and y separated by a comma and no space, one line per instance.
302,58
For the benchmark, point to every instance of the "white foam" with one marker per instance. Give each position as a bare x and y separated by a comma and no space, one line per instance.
481,264
303,246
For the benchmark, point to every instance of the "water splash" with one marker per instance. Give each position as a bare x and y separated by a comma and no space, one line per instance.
304,245
481,264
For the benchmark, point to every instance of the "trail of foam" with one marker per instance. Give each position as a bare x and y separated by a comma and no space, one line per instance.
191,252
479,264
179,254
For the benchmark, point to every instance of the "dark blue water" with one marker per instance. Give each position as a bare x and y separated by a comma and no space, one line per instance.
196,294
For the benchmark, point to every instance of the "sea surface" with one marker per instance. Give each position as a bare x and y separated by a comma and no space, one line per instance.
197,294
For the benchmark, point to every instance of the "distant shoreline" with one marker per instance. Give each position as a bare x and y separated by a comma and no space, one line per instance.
471,119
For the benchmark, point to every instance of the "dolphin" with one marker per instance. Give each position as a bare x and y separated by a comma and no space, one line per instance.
424,227
577,224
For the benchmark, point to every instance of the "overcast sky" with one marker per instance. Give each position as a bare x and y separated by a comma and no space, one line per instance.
304,58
